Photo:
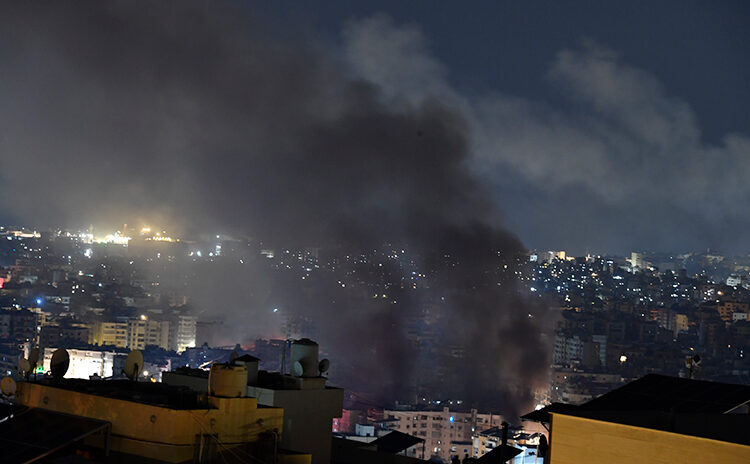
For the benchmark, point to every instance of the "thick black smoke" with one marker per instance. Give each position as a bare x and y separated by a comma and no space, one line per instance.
189,115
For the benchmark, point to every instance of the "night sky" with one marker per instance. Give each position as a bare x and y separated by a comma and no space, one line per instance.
585,126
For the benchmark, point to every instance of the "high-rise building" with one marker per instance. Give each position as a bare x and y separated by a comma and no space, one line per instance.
637,261
182,329
446,433
143,332
107,333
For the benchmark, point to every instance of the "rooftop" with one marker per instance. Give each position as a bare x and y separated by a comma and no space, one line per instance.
396,441
663,393
700,408
155,394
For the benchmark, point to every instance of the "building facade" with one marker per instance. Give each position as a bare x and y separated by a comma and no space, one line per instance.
446,433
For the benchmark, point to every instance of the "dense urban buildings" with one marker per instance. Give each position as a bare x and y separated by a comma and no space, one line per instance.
615,319
374,232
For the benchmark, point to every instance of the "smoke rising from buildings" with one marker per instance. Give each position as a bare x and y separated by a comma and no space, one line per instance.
600,148
198,119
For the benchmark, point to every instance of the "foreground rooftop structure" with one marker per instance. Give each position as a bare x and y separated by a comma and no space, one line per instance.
232,413
137,421
656,419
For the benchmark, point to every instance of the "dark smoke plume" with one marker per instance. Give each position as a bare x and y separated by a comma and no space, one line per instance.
191,116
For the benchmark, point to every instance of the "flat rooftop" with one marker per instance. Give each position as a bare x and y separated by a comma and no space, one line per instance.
672,394
267,380
155,394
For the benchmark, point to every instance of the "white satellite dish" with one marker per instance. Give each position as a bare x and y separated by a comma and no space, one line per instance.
133,364
298,369
59,363
305,352
323,366
8,386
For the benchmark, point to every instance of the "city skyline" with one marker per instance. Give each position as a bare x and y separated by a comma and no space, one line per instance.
344,232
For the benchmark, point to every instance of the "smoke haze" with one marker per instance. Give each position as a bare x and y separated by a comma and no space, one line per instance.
194,118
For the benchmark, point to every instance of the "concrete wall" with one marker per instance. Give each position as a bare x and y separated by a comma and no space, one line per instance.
156,432
308,417
308,413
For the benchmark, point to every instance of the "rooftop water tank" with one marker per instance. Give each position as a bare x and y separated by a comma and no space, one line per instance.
304,356
227,381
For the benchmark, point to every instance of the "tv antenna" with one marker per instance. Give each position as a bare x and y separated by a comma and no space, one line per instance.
59,363
133,364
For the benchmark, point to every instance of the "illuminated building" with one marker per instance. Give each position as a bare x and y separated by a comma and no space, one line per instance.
138,332
142,332
487,440
735,280
21,233
87,363
446,433
680,324
655,419
727,308
156,247
105,333
636,261
182,332
551,256
115,239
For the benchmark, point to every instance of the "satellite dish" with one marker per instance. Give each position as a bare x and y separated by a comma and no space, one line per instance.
297,369
324,365
692,363
133,364
233,357
34,357
25,366
8,386
59,363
